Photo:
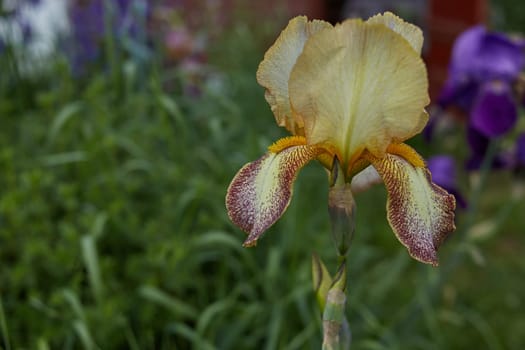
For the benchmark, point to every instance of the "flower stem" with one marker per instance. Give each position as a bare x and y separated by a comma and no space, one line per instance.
331,292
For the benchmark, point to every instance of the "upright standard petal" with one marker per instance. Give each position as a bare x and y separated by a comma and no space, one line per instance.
359,86
274,71
420,212
261,191
410,32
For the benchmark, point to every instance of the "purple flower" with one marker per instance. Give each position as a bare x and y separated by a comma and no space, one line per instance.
494,111
89,26
480,56
87,20
443,169
482,70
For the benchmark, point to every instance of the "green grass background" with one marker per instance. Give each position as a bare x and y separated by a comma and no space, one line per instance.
114,235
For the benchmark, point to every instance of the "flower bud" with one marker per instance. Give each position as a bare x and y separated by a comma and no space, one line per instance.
321,279
341,208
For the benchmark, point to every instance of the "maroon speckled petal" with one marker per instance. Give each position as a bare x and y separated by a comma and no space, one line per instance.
420,212
261,191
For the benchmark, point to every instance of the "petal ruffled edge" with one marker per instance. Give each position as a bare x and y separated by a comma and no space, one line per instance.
410,32
261,191
420,212
274,71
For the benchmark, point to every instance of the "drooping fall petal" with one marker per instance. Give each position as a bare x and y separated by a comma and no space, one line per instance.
420,212
261,191
274,70
359,86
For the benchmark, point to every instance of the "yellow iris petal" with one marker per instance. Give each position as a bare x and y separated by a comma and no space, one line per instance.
261,191
420,212
274,70
359,86
410,32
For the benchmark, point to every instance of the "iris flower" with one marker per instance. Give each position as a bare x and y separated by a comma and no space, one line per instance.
350,95
484,69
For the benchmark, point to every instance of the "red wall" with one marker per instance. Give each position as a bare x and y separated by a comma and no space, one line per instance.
447,19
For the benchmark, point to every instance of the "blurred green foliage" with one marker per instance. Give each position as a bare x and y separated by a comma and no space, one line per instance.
114,235
507,15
